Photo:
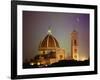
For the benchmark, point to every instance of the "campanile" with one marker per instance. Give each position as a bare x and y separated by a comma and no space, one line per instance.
74,45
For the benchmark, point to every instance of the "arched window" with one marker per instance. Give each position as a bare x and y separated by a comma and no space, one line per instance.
75,42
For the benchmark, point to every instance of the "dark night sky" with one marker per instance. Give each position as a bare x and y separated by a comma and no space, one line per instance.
36,24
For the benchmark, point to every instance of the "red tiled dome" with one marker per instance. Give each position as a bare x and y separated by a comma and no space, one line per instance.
49,42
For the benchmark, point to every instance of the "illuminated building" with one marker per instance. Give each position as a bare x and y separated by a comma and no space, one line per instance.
50,51
74,45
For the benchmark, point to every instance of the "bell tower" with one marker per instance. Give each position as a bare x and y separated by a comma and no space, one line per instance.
74,45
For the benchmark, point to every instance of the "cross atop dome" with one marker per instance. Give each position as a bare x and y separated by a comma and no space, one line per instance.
49,30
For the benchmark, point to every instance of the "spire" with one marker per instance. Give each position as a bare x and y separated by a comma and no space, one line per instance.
49,30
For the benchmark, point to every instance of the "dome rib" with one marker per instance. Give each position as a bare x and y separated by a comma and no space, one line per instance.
47,41
54,41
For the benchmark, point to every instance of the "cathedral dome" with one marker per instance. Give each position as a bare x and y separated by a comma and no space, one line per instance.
49,41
